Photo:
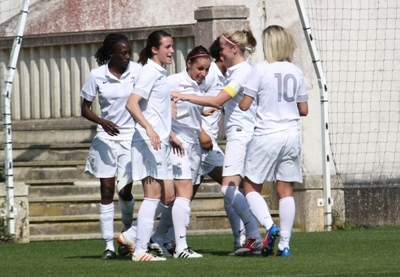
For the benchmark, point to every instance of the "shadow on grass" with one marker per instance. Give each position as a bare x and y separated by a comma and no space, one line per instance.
97,257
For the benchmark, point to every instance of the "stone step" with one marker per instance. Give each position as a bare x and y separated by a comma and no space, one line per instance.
85,227
49,152
70,210
90,224
89,204
50,170
65,187
53,131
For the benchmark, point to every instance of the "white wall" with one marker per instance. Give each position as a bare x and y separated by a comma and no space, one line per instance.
10,8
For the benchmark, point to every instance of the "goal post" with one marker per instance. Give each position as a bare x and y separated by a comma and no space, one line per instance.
324,114
358,45
7,128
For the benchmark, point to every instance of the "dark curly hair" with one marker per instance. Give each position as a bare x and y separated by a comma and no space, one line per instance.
103,53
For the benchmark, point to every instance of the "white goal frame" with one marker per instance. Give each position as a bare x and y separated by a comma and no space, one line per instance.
326,157
7,130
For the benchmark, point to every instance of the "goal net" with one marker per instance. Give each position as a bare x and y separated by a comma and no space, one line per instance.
359,46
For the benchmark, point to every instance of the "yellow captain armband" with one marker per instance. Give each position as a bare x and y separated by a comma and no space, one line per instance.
233,88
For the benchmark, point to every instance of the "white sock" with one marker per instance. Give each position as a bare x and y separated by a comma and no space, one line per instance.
107,225
163,226
242,209
145,224
131,233
126,208
237,225
287,212
260,210
181,218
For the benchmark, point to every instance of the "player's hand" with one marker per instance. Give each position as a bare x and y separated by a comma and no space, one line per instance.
154,138
110,127
206,141
176,96
207,112
177,146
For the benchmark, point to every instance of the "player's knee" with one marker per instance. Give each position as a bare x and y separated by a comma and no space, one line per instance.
126,194
124,186
229,193
107,193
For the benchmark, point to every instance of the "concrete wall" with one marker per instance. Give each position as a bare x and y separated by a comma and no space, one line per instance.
21,210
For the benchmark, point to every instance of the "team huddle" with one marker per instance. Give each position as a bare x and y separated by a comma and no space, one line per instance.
162,130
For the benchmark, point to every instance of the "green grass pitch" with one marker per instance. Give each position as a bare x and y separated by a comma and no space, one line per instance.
365,252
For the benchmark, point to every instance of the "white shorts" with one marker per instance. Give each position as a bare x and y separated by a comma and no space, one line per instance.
275,157
149,162
235,156
211,159
188,166
107,158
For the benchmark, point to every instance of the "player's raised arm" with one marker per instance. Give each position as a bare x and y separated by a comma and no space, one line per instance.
227,93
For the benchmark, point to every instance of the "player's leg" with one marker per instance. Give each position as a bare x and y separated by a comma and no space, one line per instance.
144,160
186,171
126,204
156,244
289,170
164,234
102,163
261,160
147,211
124,183
124,188
107,187
239,204
181,218
235,222
233,171
260,210
129,236
287,211
212,165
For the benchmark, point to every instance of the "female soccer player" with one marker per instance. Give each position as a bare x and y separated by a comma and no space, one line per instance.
213,157
110,154
186,169
239,127
149,105
274,152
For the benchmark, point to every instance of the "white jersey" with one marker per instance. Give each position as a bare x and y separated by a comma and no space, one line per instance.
238,121
215,81
278,86
187,124
152,85
112,96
